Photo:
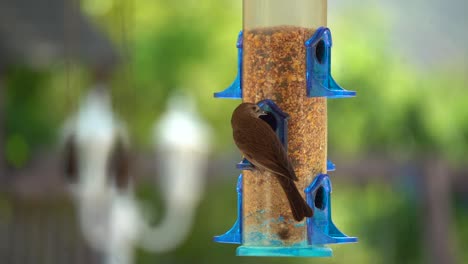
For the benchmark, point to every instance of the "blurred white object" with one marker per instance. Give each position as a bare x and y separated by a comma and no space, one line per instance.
182,141
125,226
110,216
108,212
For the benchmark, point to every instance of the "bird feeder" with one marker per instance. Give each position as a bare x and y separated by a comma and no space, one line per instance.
284,53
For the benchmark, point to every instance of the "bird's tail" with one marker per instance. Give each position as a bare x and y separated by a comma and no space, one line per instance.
299,206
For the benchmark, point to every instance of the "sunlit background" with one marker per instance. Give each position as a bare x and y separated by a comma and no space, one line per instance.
400,146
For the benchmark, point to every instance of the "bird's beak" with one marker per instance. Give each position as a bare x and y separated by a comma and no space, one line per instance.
263,113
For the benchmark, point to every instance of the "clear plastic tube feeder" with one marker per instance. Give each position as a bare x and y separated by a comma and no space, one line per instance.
284,66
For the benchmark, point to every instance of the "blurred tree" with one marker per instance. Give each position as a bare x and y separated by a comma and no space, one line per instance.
2,127
400,110
170,45
28,124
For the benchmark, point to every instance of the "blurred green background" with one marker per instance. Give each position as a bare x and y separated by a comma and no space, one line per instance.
410,113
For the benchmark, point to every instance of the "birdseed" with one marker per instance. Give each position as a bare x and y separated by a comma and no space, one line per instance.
274,67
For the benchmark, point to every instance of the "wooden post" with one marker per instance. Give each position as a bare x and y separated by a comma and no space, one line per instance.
2,129
438,212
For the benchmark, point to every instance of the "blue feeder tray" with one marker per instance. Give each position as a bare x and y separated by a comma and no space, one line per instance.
307,251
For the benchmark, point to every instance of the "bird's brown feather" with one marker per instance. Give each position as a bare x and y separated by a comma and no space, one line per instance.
262,147
259,143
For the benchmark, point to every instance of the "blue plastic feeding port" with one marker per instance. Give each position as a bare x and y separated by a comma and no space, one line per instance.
278,120
320,228
234,91
244,165
318,72
330,166
234,235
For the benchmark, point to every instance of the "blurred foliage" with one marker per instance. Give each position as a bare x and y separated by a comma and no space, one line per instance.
400,109
25,125
167,45
461,227
172,45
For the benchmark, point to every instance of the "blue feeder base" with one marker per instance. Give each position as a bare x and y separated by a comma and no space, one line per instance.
307,251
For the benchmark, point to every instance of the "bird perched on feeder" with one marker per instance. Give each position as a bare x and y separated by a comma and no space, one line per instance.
260,145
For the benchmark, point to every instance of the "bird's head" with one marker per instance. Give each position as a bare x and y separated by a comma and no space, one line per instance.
249,109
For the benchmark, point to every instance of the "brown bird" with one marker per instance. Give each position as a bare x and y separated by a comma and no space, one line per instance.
261,146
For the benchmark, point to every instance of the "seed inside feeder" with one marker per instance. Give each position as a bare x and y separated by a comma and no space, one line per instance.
274,67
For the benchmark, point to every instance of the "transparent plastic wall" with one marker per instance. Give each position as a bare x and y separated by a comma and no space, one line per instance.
268,13
274,68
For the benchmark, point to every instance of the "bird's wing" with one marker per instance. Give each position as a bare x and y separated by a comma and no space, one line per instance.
261,146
